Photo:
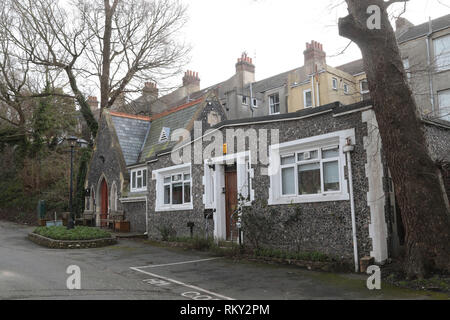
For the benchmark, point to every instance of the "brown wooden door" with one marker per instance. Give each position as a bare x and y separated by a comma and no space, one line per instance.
231,200
103,203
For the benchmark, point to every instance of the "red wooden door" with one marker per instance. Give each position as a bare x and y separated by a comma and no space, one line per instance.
231,200
103,203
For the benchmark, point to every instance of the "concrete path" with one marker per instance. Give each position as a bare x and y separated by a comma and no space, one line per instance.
133,269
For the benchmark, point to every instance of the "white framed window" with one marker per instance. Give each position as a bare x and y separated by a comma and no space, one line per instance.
138,180
255,103
310,169
442,53
307,98
364,89
244,100
174,188
406,67
444,104
334,83
346,89
274,103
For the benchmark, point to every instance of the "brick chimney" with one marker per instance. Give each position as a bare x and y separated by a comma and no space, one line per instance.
314,56
245,69
191,80
150,90
93,103
402,25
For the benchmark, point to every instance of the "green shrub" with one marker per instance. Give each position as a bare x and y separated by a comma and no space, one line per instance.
167,233
78,233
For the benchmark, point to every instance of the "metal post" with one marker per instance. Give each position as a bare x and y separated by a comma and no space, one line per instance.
70,223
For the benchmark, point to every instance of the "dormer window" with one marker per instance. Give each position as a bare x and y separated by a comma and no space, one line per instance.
165,134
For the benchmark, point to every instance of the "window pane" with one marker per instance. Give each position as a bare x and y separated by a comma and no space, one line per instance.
133,180
144,183
444,105
176,177
308,155
288,181
308,99
309,179
442,53
331,176
187,193
330,153
287,160
139,182
187,177
166,180
364,86
167,194
177,193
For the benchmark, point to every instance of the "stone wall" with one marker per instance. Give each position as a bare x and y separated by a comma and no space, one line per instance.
64,244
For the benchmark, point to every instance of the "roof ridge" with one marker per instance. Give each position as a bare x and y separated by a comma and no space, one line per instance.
176,109
129,116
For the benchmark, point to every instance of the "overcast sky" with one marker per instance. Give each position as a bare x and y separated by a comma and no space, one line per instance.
274,33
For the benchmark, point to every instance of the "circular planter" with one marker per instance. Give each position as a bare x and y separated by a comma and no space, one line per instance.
71,244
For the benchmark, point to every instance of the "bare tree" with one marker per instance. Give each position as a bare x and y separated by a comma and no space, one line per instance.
113,45
418,187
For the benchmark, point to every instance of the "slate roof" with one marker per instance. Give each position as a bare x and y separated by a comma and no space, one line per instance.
175,118
353,67
131,132
423,29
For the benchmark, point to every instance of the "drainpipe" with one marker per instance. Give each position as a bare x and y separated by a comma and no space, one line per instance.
313,96
348,149
146,216
430,31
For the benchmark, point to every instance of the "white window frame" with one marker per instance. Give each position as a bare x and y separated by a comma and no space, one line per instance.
139,173
159,176
346,88
444,111
444,57
406,66
334,83
304,98
244,100
274,104
320,142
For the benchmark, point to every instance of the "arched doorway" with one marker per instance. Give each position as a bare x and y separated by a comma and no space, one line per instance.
103,203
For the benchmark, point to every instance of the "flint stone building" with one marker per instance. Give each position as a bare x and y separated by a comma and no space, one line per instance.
304,205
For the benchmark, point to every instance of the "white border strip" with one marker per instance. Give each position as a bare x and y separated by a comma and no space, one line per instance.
175,263
182,284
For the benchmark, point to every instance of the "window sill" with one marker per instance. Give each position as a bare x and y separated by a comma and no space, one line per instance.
175,208
310,199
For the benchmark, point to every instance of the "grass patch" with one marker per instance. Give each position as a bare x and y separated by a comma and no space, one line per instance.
78,233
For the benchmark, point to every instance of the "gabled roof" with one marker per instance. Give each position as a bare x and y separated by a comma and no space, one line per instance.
131,131
423,29
353,67
180,117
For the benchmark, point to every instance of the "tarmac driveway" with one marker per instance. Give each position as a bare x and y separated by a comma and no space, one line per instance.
135,270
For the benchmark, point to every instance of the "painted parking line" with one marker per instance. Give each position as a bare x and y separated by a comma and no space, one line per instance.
175,263
191,295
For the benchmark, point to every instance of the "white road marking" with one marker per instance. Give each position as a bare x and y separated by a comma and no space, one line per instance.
182,284
175,263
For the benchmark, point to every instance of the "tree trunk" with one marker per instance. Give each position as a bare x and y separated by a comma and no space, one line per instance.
415,175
